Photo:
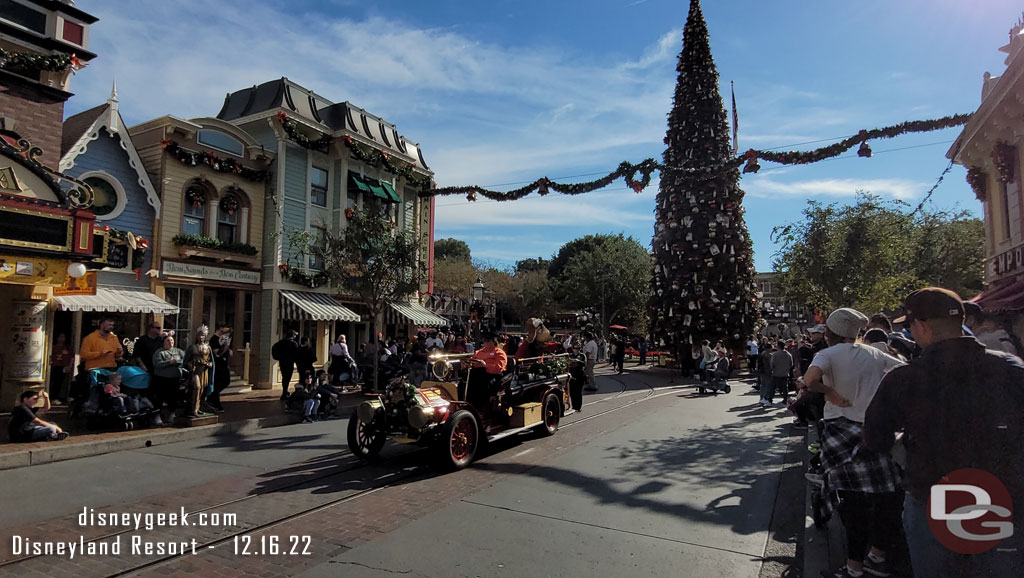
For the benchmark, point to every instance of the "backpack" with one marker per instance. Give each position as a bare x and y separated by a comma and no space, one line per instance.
276,351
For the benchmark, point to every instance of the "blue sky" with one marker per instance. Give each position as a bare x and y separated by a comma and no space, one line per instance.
506,91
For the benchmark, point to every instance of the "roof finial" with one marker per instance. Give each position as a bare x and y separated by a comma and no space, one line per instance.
113,92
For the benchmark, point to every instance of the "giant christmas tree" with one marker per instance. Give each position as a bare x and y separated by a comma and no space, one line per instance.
703,274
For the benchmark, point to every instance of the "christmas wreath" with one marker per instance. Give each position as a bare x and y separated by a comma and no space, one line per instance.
229,204
196,196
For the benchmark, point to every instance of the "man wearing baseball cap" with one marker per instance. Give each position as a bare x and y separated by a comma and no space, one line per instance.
959,406
864,485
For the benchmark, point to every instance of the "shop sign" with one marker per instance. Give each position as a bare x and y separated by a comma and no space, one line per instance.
32,271
84,285
1007,261
177,269
27,342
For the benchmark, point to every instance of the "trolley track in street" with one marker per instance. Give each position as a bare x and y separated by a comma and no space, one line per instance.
394,478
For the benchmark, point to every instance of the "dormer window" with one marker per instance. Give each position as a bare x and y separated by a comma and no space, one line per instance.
220,141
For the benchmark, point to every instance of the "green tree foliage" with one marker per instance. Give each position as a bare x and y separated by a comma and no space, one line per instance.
532,264
869,255
607,275
454,277
451,249
367,258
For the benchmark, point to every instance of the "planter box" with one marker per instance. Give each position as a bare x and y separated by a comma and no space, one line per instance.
218,256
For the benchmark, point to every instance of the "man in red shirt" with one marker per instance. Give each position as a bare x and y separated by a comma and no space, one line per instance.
494,360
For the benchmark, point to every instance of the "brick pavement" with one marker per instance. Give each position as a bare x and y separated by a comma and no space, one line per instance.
264,499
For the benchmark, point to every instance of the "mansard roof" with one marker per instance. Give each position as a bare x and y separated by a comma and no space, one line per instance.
317,111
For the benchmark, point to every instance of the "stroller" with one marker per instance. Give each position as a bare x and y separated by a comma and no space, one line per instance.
717,375
99,409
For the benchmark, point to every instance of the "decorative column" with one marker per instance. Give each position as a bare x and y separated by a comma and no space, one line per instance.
211,226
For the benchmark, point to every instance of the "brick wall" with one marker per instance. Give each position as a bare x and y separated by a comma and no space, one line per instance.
38,118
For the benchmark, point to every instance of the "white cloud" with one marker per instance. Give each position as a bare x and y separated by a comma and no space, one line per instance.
484,112
610,210
902,189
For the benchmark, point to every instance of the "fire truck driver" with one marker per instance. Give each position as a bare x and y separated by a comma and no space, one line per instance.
482,383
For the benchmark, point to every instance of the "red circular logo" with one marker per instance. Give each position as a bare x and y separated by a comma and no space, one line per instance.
970,511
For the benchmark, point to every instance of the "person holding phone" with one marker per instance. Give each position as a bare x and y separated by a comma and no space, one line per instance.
101,349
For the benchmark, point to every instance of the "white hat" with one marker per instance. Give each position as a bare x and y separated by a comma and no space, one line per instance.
819,328
846,322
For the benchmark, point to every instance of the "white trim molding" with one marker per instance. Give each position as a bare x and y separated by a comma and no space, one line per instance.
122,198
101,122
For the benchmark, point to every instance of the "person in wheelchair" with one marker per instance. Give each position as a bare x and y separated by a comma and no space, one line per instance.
493,360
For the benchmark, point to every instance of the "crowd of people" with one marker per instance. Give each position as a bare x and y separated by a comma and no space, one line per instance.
191,379
900,412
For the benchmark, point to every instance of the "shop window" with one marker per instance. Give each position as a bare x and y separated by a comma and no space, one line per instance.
181,322
194,218
227,225
108,195
318,187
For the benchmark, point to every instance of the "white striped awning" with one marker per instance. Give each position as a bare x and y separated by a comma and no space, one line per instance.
415,314
314,307
117,300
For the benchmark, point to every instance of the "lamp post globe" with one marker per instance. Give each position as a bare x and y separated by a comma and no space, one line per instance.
76,270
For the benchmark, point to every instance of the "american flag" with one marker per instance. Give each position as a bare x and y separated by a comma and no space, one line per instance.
735,121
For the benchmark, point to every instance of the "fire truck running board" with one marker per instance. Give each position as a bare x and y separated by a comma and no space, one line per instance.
512,432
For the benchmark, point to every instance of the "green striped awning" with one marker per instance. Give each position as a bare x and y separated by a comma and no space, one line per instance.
378,191
391,192
360,184
117,300
415,314
314,307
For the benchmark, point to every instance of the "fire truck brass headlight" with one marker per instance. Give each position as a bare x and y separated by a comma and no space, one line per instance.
367,411
419,417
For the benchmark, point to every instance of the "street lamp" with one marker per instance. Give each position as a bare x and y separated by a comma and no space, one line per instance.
477,309
478,290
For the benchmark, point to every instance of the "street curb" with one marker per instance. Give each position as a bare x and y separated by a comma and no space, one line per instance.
59,452
824,548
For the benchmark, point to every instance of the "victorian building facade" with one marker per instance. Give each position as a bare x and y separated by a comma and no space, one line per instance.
990,147
97,149
209,235
329,159
50,245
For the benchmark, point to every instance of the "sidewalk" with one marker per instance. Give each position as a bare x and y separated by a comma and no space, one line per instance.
243,413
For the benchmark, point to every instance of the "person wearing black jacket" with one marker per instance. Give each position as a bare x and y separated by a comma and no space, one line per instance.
306,357
286,352
959,406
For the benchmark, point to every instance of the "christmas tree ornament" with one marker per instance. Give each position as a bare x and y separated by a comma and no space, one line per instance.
864,150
